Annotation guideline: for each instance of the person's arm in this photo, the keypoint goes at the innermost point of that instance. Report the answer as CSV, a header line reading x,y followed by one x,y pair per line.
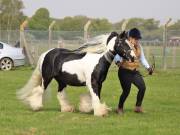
x,y
144,62
143,59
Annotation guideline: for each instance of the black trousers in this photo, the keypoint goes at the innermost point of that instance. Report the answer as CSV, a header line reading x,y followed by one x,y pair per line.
x,y
128,77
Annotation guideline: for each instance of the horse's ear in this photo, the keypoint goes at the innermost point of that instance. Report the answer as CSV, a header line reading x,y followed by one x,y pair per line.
x,y
113,34
123,34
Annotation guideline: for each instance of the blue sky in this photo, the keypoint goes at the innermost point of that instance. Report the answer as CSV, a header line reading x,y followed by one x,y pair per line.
x,y
113,10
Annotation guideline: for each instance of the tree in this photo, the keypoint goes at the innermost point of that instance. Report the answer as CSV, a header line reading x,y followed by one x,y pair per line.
x,y
143,24
174,30
175,26
40,20
100,25
118,25
75,23
150,28
11,14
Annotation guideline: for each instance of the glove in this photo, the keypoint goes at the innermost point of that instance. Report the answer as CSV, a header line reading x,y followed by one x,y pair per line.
x,y
150,70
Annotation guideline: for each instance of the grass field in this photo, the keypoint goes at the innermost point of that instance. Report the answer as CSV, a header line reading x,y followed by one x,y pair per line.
x,y
161,105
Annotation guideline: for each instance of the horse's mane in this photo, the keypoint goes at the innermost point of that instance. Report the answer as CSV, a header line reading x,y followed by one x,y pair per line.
x,y
94,45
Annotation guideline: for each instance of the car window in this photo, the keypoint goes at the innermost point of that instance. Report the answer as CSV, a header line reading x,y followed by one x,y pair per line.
x,y
1,46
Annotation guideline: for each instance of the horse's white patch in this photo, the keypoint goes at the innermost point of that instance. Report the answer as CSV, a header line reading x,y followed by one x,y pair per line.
x,y
111,44
133,54
82,67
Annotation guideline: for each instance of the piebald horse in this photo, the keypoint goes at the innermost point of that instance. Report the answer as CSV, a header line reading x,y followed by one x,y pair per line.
x,y
75,68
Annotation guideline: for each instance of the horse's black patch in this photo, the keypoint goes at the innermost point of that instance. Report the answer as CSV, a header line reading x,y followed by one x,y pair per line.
x,y
71,79
53,61
99,75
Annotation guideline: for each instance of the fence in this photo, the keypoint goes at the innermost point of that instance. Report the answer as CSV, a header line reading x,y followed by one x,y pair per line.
x,y
38,42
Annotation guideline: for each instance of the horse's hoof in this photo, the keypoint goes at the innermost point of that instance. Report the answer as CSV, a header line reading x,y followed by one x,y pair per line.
x,y
68,109
101,114
102,110
36,108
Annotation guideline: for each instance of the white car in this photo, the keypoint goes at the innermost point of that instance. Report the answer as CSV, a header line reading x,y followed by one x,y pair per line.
x,y
10,56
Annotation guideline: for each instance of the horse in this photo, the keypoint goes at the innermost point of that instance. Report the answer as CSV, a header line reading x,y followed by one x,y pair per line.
x,y
75,68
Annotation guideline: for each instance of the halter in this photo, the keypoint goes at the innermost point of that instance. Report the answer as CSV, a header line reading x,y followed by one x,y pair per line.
x,y
129,46
109,56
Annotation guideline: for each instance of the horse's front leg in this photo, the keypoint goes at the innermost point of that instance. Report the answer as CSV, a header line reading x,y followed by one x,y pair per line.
x,y
95,89
62,98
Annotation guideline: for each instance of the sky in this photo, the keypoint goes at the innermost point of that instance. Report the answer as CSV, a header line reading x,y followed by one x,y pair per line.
x,y
113,10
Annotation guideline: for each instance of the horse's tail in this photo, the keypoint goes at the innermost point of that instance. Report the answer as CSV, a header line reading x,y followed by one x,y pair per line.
x,y
32,92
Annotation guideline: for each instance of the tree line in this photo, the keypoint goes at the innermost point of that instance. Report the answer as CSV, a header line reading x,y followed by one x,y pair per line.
x,y
11,17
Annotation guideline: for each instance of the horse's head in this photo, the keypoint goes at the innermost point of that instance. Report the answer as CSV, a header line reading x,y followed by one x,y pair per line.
x,y
120,46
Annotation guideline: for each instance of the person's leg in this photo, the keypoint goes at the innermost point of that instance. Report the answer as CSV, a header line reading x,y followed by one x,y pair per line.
x,y
140,84
125,80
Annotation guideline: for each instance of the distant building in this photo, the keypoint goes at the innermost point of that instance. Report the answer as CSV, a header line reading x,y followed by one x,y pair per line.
x,y
174,41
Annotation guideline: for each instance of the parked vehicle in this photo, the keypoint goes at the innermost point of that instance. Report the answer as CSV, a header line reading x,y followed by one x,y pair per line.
x,y
10,56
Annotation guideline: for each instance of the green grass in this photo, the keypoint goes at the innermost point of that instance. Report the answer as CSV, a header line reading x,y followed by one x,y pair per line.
x,y
161,105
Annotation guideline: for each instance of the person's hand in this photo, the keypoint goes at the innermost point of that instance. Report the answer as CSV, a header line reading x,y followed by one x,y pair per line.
x,y
150,70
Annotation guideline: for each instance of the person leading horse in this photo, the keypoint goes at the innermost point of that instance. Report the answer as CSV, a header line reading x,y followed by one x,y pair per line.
x,y
128,72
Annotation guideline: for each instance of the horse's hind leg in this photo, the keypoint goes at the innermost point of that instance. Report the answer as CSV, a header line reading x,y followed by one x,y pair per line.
x,y
62,98
36,98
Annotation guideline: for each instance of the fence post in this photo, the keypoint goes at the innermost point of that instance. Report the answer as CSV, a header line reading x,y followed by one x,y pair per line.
x,y
60,44
165,44
50,33
25,46
86,26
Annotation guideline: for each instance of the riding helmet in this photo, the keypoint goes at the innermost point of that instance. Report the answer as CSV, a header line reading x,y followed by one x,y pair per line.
x,y
134,33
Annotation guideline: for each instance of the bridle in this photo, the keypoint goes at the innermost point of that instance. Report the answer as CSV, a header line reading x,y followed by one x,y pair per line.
x,y
120,45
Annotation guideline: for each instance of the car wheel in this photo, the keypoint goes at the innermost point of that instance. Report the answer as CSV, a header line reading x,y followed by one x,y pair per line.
x,y
6,64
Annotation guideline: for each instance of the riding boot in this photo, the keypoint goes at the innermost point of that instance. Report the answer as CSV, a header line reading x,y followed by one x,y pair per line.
x,y
138,109
120,111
